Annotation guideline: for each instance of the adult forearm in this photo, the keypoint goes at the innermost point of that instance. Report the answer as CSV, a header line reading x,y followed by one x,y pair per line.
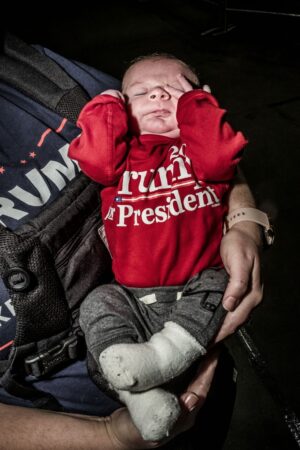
x,y
240,196
34,429
28,429
240,252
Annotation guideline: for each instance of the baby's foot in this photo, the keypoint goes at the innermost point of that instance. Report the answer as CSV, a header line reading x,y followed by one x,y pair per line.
x,y
137,367
154,412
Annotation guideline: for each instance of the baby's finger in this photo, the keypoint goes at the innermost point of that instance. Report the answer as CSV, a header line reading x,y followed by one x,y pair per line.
x,y
185,84
206,88
177,93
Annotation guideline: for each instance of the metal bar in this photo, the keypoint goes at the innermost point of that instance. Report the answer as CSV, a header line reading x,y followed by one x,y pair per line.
x,y
260,366
257,11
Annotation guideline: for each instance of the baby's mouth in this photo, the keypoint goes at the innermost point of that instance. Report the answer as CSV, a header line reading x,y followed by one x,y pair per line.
x,y
160,113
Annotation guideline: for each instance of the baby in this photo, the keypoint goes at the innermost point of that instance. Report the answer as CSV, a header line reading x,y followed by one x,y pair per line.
x,y
165,156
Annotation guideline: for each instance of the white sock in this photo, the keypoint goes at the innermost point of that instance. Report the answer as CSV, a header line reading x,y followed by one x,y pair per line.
x,y
137,367
153,412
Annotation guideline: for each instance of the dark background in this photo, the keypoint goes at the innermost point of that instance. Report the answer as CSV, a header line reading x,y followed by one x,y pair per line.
x,y
253,70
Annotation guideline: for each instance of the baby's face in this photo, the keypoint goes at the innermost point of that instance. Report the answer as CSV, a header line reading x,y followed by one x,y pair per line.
x,y
151,106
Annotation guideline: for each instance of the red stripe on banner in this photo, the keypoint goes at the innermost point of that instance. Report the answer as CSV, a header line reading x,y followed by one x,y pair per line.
x,y
6,345
63,123
41,141
45,134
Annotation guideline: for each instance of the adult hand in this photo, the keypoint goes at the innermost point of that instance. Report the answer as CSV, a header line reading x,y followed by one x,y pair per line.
x,y
195,395
123,433
240,252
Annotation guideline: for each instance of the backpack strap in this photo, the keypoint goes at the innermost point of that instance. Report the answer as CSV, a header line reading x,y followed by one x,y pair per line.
x,y
39,77
13,382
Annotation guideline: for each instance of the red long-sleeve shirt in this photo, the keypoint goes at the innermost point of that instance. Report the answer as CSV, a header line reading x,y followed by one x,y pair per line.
x,y
162,198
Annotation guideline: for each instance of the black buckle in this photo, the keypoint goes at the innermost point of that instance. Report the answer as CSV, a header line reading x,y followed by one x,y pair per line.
x,y
18,279
42,363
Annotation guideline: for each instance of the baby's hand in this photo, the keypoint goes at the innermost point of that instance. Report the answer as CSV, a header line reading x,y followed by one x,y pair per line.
x,y
185,86
114,93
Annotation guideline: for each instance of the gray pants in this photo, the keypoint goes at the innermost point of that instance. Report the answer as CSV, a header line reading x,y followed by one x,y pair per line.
x,y
113,314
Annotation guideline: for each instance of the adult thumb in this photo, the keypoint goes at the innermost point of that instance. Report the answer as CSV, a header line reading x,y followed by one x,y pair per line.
x,y
234,292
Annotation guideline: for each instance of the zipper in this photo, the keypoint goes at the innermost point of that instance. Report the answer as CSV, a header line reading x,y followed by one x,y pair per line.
x,y
68,249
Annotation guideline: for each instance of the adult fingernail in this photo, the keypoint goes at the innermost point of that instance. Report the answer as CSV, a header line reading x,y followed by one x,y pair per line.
x,y
230,303
191,402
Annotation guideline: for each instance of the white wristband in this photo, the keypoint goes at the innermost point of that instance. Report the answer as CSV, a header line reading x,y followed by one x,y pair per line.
x,y
251,215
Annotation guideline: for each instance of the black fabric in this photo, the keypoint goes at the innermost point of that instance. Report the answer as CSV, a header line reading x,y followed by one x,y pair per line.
x,y
36,319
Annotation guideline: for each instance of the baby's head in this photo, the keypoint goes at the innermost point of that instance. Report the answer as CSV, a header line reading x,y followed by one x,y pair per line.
x,y
151,87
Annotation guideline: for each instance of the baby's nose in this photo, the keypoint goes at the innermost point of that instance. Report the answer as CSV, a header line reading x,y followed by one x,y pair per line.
x,y
158,93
